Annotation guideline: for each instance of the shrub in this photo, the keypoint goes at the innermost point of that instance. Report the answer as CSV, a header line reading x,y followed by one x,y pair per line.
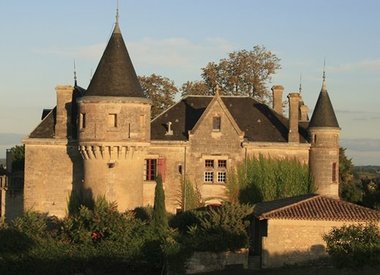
x,y
354,245
159,218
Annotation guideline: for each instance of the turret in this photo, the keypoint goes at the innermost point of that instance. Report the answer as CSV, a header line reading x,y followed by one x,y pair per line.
x,y
114,129
324,134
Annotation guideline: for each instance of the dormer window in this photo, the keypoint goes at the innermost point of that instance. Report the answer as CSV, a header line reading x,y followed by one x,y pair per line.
x,y
112,120
216,123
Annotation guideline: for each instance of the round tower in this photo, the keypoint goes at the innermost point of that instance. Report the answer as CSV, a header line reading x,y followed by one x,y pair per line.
x,y
114,129
324,134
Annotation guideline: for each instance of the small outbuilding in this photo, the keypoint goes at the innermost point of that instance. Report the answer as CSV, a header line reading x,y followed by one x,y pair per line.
x,y
290,230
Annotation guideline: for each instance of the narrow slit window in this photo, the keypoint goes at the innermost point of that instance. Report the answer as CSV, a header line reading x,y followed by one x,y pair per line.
x,y
82,120
216,123
334,172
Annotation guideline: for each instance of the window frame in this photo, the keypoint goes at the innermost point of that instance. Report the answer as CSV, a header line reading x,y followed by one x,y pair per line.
x,y
150,169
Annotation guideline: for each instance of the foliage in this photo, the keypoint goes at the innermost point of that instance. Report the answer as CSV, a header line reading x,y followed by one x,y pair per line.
x,y
354,245
195,88
159,218
189,196
18,157
143,213
161,90
241,73
349,189
221,228
263,179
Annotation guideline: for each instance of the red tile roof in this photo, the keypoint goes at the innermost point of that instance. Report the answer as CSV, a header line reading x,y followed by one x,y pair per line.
x,y
314,207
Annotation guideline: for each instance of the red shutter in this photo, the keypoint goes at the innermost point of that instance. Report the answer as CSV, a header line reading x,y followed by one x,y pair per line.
x,y
162,168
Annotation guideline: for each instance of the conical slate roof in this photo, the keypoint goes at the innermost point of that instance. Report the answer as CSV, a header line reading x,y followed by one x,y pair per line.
x,y
115,74
323,115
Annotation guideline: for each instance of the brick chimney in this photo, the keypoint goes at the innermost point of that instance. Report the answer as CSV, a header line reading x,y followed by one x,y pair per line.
x,y
294,101
304,112
63,112
277,91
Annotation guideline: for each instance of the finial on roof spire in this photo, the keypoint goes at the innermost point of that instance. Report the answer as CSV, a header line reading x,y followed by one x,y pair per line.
x,y
300,88
75,74
117,28
217,90
324,76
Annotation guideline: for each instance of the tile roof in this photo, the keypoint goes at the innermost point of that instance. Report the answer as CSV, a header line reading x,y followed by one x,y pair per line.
x,y
314,207
115,74
257,120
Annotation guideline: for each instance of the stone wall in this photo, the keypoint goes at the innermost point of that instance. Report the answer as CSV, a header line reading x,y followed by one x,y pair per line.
x,y
215,261
51,169
291,241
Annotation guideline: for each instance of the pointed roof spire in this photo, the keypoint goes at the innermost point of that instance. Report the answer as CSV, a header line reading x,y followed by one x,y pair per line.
x,y
300,88
75,75
115,74
324,115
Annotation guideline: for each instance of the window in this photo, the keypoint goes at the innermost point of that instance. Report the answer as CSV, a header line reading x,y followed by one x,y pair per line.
x,y
216,123
334,172
222,177
112,120
82,120
209,163
209,176
222,163
150,170
217,167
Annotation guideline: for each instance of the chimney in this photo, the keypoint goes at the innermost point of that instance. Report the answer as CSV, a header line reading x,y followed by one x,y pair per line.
x,y
304,112
169,131
294,101
63,112
277,91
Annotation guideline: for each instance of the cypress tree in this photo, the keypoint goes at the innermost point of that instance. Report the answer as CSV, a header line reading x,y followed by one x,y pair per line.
x,y
159,218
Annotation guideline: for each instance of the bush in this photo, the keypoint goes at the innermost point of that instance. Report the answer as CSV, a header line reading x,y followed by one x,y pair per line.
x,y
354,246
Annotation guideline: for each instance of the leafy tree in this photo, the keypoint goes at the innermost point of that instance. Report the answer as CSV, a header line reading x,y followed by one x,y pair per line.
x,y
18,157
354,245
241,73
161,90
349,189
195,88
159,218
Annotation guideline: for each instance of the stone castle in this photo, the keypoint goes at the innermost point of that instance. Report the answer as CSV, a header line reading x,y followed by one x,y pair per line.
x,y
102,141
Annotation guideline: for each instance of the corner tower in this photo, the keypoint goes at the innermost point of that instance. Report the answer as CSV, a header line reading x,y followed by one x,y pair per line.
x,y
114,128
324,134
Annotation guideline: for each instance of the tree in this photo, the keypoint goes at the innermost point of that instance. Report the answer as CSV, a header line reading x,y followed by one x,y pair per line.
x,y
161,90
195,88
18,157
349,190
354,245
241,73
159,218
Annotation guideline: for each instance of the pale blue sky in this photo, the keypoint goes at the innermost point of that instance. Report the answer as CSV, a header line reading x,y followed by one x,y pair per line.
x,y
40,39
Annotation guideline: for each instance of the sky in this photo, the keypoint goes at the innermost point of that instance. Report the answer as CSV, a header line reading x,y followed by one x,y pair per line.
x,y
40,39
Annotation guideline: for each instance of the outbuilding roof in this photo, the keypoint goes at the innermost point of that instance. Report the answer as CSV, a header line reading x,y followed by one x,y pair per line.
x,y
314,207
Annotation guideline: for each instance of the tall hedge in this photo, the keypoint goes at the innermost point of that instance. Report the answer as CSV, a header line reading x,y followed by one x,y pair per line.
x,y
263,179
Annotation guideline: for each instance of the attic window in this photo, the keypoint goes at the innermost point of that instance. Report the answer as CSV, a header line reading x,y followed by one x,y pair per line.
x,y
216,123
112,120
